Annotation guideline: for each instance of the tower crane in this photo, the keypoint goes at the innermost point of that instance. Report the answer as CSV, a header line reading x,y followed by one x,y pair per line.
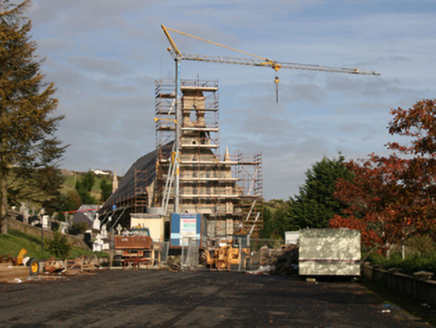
x,y
255,61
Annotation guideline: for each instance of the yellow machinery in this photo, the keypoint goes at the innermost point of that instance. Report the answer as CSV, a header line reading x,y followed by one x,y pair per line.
x,y
230,255
19,259
33,264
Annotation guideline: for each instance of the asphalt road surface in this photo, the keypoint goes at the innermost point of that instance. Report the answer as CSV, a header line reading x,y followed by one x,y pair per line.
x,y
157,298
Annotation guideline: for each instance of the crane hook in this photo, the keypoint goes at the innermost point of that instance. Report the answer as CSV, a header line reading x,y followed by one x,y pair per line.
x,y
276,81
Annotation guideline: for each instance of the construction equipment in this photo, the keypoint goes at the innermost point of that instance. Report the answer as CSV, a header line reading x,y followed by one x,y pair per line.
x,y
228,255
259,61
256,61
19,266
135,248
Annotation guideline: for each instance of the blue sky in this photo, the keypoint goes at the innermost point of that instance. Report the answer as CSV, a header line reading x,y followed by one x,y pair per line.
x,y
104,56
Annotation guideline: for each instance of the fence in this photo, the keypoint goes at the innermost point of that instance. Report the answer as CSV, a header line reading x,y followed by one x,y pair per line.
x,y
162,249
417,286
190,254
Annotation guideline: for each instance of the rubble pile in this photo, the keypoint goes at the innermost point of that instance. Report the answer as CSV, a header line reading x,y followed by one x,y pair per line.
x,y
282,260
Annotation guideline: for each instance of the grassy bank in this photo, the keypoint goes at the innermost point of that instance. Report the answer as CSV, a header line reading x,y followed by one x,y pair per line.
x,y
16,240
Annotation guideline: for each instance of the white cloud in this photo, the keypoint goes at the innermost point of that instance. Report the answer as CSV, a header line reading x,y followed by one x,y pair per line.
x,y
104,56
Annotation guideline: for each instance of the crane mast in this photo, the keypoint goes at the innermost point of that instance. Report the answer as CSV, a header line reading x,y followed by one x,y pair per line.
x,y
258,61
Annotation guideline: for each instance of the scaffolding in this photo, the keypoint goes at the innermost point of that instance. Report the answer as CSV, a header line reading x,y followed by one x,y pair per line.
x,y
140,201
133,198
218,186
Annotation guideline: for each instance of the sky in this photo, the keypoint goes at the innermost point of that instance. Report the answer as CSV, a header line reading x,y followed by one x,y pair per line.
x,y
104,57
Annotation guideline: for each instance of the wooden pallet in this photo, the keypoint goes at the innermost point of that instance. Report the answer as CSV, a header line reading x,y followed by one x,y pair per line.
x,y
9,272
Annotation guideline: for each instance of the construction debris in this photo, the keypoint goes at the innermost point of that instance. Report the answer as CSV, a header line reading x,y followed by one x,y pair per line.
x,y
13,260
12,268
52,266
282,260
13,273
83,264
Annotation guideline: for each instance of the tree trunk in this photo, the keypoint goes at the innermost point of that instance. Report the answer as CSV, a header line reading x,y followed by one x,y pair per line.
x,y
3,204
403,249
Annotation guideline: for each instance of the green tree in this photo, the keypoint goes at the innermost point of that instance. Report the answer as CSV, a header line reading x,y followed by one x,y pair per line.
x,y
48,182
315,205
69,202
27,105
84,187
106,189
276,219
267,223
58,245
87,181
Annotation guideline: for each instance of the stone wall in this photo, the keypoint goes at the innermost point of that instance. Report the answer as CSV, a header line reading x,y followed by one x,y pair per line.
x,y
423,291
36,231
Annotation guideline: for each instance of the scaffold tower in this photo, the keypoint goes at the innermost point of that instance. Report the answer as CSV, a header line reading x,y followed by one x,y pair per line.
x,y
220,187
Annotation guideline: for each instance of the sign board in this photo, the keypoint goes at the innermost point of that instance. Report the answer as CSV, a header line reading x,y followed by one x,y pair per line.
x,y
183,226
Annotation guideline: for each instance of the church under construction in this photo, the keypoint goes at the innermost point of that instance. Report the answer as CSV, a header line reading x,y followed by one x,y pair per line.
x,y
226,189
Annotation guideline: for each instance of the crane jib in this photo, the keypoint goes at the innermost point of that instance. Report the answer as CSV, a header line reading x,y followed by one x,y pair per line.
x,y
268,63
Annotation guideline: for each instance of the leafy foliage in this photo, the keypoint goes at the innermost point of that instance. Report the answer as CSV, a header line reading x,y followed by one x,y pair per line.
x,y
421,246
27,123
276,220
59,245
315,204
79,228
84,187
410,265
392,198
69,202
106,189
87,181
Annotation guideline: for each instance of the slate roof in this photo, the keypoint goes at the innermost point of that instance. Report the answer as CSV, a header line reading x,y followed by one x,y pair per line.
x,y
126,186
79,217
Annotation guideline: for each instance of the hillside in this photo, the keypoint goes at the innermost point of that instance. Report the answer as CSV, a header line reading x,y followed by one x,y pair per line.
x,y
16,240
70,182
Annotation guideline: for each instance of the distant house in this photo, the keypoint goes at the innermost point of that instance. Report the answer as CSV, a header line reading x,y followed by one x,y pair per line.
x,y
102,172
80,217
86,214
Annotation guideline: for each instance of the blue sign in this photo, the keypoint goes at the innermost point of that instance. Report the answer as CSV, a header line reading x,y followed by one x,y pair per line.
x,y
184,226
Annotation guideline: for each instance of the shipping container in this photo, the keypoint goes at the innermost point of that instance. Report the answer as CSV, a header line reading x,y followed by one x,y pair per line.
x,y
329,252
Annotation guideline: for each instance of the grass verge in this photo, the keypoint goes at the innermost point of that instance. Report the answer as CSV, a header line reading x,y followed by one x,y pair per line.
x,y
15,240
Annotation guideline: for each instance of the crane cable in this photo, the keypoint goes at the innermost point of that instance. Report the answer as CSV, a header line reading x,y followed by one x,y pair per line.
x,y
277,81
217,44
276,67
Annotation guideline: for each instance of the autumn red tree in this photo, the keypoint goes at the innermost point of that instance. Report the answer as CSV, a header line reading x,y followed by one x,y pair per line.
x,y
393,197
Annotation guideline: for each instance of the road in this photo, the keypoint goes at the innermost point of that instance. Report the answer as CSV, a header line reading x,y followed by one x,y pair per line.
x,y
157,298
